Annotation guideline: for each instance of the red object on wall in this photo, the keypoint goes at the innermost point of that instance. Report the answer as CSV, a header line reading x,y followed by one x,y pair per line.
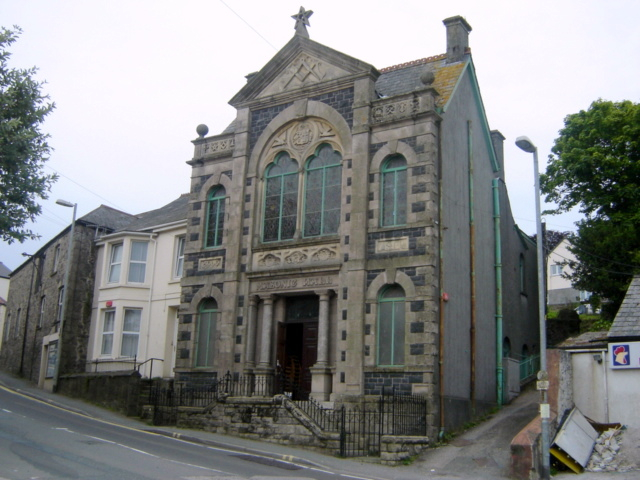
x,y
445,297
109,303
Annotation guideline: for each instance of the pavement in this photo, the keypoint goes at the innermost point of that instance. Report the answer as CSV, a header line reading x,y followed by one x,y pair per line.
x,y
481,453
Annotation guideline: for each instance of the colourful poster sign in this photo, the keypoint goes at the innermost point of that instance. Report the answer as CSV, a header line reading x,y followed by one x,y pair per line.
x,y
624,355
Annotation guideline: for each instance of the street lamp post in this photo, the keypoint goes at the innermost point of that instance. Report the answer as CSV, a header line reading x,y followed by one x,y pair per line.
x,y
527,145
65,292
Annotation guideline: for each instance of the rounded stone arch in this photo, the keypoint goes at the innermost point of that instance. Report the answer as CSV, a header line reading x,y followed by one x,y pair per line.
x,y
216,179
208,291
300,112
390,278
393,148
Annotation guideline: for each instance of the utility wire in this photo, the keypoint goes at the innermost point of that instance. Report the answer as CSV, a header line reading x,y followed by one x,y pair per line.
x,y
248,24
83,187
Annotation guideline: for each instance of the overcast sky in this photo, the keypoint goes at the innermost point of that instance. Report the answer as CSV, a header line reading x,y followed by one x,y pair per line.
x,y
132,79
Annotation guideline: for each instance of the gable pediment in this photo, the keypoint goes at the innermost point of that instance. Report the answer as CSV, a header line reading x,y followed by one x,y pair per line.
x,y
301,64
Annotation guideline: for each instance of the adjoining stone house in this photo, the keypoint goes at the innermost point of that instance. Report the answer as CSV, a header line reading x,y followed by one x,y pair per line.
x,y
32,341
137,293
351,229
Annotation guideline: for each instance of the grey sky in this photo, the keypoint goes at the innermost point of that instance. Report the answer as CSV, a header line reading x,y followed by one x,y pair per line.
x,y
133,78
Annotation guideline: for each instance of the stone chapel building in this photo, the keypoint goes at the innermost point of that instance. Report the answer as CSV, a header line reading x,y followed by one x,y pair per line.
x,y
351,228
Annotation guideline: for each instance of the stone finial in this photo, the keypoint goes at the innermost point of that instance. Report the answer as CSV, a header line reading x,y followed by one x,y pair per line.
x,y
427,77
302,21
202,130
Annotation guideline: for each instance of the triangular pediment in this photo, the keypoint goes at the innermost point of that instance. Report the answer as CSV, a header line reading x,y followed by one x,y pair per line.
x,y
301,64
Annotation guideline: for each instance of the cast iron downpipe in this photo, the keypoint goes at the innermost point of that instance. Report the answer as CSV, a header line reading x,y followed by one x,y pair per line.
x,y
498,273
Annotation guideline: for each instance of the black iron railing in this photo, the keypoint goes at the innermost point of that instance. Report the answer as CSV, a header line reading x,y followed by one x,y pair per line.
x,y
123,365
360,426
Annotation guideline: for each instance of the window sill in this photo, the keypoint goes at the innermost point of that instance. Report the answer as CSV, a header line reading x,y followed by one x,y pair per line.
x,y
111,286
295,242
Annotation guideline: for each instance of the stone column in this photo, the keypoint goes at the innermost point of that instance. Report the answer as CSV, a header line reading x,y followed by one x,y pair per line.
x,y
321,376
252,317
267,332
323,328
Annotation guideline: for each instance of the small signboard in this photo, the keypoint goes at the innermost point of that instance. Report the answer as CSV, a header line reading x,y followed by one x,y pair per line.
x,y
624,355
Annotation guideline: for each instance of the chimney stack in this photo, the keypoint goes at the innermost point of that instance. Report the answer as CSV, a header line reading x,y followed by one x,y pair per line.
x,y
457,37
497,139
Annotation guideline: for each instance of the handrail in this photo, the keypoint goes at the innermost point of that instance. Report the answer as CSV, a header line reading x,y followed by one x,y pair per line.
x,y
150,369
124,361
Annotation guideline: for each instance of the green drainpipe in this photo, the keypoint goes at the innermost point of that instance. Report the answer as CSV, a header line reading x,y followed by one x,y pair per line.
x,y
498,272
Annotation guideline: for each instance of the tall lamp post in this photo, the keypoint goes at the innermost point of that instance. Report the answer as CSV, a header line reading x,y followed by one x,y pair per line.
x,y
65,292
543,379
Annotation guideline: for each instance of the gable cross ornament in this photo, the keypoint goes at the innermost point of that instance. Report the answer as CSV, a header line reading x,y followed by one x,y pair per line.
x,y
302,21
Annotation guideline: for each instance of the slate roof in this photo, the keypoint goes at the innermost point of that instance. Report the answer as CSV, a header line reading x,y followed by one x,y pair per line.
x,y
627,321
405,78
105,216
586,340
170,213
4,271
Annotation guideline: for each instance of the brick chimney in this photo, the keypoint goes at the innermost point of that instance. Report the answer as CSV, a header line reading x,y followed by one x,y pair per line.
x,y
457,37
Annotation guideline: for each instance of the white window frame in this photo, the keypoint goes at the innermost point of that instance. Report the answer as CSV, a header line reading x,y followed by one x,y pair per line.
x,y
56,258
60,313
42,309
556,269
138,262
130,333
17,323
108,316
115,263
178,264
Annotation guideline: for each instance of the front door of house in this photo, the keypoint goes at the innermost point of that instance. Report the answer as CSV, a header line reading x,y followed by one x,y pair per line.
x,y
298,344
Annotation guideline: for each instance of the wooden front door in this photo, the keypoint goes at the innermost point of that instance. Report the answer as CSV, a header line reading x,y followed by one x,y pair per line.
x,y
298,343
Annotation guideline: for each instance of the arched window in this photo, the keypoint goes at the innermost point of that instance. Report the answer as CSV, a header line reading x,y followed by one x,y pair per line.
x,y
506,347
281,199
394,191
391,326
215,217
322,192
205,338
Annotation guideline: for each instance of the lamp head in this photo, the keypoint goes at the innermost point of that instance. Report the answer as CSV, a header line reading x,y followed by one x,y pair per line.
x,y
523,143
64,203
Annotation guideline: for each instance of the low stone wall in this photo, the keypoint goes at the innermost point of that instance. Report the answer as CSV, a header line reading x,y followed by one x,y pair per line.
x,y
275,420
526,446
279,420
525,451
118,391
395,449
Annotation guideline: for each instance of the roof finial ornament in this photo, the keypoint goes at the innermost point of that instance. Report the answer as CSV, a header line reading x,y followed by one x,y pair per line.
x,y
302,22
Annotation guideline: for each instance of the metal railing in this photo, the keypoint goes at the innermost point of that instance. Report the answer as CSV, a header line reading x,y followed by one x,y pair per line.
x,y
528,367
360,426
121,365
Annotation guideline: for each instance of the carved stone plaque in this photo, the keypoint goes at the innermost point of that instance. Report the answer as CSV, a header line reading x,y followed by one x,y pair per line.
x,y
296,257
213,263
392,245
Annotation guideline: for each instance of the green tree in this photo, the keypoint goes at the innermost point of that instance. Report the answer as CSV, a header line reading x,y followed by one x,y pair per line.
x,y
23,147
595,166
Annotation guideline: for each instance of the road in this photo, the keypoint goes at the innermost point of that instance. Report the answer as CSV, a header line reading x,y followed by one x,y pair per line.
x,y
42,441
